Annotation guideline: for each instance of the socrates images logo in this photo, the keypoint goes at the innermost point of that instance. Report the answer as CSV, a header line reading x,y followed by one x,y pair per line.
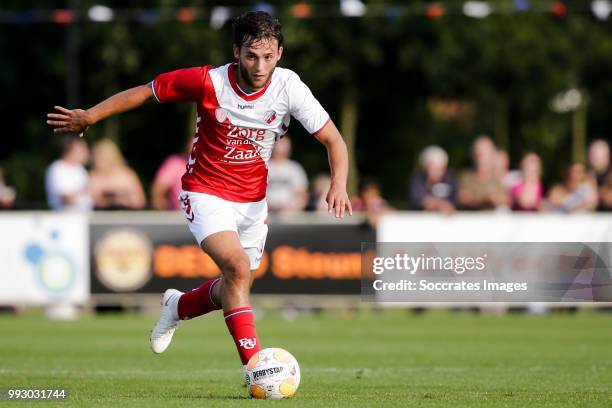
x,y
54,270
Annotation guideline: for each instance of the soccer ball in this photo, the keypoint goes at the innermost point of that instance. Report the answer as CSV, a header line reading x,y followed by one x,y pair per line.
x,y
272,373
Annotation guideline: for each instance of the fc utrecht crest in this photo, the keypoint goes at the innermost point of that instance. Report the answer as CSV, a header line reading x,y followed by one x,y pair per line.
x,y
248,343
269,117
220,115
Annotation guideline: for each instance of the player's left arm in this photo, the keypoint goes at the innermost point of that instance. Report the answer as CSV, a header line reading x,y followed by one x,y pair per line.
x,y
337,197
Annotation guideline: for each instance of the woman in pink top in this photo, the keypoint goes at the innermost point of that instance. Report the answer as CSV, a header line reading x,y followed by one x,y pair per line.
x,y
167,183
528,193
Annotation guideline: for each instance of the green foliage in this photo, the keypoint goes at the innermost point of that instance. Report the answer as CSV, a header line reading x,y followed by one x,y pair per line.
x,y
509,66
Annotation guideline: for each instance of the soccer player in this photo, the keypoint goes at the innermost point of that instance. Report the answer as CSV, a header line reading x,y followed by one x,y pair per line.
x,y
243,108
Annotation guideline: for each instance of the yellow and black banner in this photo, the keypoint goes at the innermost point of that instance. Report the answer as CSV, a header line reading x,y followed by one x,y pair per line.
x,y
128,255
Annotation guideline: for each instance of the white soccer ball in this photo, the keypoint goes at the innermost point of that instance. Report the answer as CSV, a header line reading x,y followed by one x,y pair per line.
x,y
272,373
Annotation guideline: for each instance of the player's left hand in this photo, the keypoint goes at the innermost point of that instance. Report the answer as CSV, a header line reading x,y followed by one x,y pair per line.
x,y
338,201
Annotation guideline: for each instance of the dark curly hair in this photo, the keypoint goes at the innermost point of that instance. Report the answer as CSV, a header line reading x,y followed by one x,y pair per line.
x,y
253,26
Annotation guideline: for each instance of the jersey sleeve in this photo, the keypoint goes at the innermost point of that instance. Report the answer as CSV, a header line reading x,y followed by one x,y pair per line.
x,y
181,85
305,107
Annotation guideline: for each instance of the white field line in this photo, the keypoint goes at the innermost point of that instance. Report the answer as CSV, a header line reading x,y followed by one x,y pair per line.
x,y
232,371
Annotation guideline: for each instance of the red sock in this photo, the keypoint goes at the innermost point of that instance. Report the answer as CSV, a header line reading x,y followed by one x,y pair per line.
x,y
241,326
198,301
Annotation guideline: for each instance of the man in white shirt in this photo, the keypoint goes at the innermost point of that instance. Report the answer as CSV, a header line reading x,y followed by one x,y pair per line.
x,y
287,180
66,180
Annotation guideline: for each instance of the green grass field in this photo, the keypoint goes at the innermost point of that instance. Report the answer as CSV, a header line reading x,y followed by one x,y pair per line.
x,y
391,359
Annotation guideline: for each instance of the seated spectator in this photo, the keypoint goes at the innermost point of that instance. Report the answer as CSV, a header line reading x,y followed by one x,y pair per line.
x,y
287,181
433,188
599,160
167,183
113,184
528,193
577,193
599,168
508,177
317,201
481,188
66,180
605,194
370,201
7,193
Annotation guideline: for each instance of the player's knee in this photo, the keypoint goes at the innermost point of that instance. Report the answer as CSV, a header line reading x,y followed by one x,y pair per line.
x,y
236,270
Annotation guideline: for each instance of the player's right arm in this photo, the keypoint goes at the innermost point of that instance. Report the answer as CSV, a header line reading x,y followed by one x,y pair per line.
x,y
78,120
185,84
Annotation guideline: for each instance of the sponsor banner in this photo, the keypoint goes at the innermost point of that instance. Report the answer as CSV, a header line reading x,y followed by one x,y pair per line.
x,y
43,258
487,272
150,253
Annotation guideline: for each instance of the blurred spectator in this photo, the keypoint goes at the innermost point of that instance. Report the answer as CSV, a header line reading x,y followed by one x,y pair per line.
x,y
482,189
508,177
433,188
7,193
114,185
605,194
287,181
317,199
527,194
599,160
370,201
167,183
599,168
577,193
66,180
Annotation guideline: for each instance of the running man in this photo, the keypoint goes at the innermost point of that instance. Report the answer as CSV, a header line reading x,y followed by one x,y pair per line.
x,y
243,108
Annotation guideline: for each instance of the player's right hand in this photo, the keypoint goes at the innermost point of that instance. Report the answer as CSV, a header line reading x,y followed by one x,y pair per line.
x,y
69,120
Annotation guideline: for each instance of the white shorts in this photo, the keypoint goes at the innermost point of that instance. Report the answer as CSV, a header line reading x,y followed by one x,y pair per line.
x,y
207,214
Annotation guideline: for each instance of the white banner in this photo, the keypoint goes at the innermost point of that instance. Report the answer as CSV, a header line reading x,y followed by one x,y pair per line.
x,y
495,227
534,270
44,258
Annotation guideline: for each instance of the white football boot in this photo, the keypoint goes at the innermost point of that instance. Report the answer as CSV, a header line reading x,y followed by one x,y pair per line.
x,y
162,333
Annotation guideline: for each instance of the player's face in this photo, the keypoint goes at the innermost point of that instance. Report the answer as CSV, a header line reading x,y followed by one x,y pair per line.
x,y
256,62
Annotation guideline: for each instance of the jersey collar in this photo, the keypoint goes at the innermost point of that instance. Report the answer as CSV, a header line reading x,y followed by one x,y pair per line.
x,y
231,73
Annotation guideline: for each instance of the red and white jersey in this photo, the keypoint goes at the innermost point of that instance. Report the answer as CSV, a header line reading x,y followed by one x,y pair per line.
x,y
236,131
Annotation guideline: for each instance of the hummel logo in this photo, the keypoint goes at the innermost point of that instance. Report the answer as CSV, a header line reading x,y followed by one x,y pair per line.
x,y
246,106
